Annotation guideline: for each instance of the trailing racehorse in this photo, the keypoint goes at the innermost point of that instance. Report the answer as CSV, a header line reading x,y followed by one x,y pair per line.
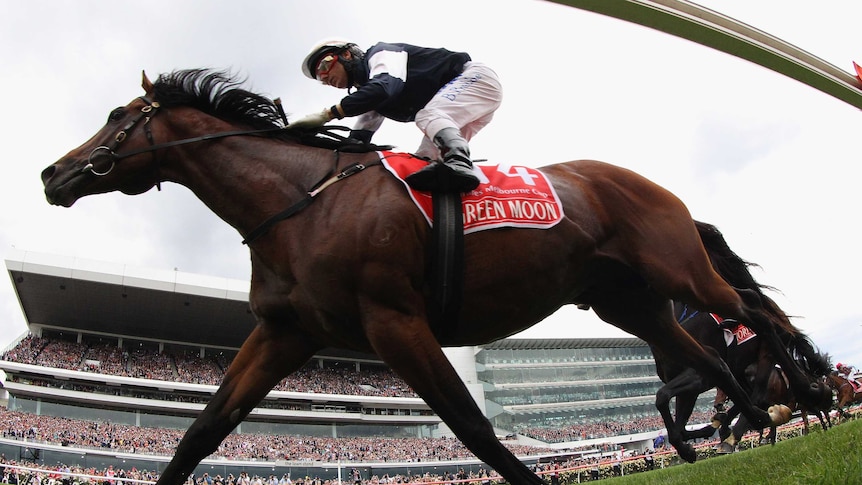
x,y
339,256
844,393
777,390
748,357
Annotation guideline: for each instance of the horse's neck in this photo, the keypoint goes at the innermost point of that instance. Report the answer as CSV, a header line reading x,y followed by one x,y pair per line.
x,y
246,182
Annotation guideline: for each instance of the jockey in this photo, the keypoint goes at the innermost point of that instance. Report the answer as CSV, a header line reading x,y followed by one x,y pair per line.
x,y
447,95
851,374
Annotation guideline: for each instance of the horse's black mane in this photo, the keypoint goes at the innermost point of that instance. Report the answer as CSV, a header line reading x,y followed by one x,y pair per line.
x,y
219,94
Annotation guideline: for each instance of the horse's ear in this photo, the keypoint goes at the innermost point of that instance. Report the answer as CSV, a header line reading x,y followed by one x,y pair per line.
x,y
145,82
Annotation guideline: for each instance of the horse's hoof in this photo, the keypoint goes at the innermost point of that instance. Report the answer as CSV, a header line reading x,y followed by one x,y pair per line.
x,y
687,453
779,414
724,449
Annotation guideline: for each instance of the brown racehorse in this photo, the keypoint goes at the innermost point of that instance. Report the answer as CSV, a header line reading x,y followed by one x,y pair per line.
x,y
350,269
844,393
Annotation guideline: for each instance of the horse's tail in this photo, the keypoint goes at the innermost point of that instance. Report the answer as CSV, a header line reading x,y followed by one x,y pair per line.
x,y
735,271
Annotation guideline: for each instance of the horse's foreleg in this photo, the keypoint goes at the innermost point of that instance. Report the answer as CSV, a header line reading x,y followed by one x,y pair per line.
x,y
728,445
686,383
407,345
806,390
825,419
724,431
268,355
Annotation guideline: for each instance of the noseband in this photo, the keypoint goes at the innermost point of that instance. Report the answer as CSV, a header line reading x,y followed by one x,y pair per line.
x,y
147,112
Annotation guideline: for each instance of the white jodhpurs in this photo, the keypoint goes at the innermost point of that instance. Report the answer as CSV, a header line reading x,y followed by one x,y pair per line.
x,y
466,103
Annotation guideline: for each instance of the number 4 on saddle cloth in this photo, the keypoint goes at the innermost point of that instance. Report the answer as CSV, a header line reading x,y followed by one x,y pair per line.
x,y
507,196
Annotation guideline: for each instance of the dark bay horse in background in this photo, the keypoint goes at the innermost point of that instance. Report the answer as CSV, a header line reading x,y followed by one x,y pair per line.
x,y
350,270
845,395
778,391
749,360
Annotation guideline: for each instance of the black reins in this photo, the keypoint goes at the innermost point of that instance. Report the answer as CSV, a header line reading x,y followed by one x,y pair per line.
x,y
149,111
146,114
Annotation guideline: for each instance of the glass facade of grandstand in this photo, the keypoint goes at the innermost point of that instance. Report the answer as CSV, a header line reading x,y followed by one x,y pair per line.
x,y
558,383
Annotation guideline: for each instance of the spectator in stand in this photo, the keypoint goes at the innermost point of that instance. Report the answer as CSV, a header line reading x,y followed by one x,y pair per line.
x,y
649,460
186,365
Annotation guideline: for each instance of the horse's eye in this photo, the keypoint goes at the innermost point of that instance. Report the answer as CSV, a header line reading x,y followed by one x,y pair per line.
x,y
116,115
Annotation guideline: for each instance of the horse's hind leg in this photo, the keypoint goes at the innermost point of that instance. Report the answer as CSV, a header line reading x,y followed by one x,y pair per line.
x,y
407,345
269,354
688,262
650,317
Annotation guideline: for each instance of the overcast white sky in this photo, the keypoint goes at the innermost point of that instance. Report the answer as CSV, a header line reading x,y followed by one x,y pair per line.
x,y
770,161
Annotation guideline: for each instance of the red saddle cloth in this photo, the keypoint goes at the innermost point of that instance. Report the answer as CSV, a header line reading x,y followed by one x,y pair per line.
x,y
739,332
507,195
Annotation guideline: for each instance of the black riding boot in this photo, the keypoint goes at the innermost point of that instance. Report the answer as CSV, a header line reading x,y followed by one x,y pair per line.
x,y
454,173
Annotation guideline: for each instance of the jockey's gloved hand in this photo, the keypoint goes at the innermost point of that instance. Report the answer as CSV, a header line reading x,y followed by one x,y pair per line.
x,y
313,120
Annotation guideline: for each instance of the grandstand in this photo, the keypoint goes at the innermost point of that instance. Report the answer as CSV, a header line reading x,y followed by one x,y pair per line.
x,y
118,360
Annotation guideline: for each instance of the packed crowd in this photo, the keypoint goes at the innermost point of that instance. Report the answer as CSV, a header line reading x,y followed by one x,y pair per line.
x,y
23,472
163,441
602,429
186,365
28,473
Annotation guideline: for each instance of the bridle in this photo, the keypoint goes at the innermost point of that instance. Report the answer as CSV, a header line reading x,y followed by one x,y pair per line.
x,y
146,114
148,111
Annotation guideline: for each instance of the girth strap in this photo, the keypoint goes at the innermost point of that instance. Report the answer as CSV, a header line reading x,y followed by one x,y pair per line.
x,y
447,264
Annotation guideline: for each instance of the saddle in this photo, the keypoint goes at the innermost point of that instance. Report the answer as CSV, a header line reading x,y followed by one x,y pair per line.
x,y
507,196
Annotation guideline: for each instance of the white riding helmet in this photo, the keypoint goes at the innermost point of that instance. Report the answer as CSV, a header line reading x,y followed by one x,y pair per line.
x,y
309,64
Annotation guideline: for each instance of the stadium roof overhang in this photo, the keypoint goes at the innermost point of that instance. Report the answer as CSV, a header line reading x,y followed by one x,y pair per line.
x,y
76,295
69,294
563,343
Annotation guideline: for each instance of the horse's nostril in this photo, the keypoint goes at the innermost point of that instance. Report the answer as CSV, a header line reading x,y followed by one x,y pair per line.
x,y
48,173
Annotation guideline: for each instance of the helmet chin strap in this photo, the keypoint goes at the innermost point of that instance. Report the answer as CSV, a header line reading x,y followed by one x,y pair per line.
x,y
353,65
